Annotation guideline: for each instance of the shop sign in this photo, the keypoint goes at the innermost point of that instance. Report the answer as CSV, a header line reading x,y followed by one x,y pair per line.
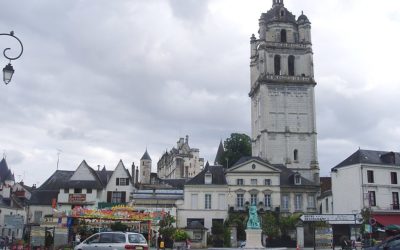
x,y
77,198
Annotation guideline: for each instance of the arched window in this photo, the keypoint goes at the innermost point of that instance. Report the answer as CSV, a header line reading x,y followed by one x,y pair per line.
x,y
283,36
295,155
291,65
277,64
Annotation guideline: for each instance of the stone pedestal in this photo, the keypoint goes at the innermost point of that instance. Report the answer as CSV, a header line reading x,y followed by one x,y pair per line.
x,y
253,238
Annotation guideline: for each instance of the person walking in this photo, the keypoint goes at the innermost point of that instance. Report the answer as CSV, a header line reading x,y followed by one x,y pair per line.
x,y
160,243
188,243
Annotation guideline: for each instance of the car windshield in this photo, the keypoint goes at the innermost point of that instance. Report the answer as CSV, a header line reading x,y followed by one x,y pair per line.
x,y
136,238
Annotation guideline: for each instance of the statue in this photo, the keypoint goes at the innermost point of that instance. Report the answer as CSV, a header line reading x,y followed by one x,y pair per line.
x,y
253,222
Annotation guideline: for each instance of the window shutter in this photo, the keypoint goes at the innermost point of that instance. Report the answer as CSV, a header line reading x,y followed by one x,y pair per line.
x,y
117,181
109,193
123,197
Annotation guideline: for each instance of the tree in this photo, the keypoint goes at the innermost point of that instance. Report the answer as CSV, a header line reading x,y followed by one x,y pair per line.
x,y
270,225
236,146
167,230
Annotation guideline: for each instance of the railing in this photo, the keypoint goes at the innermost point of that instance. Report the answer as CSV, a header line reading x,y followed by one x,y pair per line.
x,y
286,78
287,45
388,208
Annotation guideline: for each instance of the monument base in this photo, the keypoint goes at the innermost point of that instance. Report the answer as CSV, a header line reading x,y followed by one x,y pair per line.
x,y
253,238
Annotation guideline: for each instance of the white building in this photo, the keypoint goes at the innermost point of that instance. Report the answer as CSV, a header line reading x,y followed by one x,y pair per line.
x,y
269,186
205,202
180,162
368,179
283,126
87,187
325,199
12,211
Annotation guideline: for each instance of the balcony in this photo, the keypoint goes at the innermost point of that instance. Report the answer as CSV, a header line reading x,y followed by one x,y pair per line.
x,y
391,208
286,78
285,45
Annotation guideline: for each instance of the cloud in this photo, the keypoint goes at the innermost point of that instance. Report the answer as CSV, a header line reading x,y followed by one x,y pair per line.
x,y
104,81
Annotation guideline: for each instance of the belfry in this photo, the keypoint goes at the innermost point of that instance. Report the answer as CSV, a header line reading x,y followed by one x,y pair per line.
x,y
282,92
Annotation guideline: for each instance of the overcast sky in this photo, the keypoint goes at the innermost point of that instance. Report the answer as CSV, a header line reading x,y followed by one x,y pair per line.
x,y
102,80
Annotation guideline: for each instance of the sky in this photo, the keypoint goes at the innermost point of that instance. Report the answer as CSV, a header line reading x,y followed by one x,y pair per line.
x,y
104,80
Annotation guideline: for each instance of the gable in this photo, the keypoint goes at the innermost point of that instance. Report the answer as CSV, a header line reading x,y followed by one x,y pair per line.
x,y
253,166
119,172
83,173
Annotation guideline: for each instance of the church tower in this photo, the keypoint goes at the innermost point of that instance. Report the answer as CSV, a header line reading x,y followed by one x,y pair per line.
x,y
145,168
282,92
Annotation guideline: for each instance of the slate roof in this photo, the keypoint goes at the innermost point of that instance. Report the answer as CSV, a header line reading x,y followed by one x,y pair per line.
x,y
248,158
5,172
303,18
220,153
287,177
176,183
60,179
43,197
274,15
146,156
218,176
362,156
286,174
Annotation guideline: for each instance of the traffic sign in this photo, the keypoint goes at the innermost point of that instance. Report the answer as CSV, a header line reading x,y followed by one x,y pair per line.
x,y
328,217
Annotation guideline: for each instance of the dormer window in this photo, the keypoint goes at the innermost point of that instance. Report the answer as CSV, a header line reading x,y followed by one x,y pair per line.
x,y
282,12
208,178
297,179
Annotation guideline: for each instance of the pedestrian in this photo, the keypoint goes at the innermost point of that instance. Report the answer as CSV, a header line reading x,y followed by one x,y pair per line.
x,y
6,241
160,242
188,243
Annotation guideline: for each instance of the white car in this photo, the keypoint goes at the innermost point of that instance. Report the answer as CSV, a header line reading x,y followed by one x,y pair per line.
x,y
114,241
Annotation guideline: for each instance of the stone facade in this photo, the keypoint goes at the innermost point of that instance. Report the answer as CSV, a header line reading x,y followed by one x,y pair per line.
x,y
180,162
282,92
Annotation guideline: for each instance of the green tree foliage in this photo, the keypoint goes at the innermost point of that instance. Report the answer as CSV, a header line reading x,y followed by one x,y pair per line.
x,y
227,235
270,225
166,227
180,235
287,223
239,220
236,146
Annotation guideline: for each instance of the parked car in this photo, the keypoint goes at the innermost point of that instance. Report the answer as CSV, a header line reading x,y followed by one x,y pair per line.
x,y
390,243
114,241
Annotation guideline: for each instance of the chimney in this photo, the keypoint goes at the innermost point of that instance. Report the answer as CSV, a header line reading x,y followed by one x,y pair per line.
x,y
98,167
187,139
137,175
133,172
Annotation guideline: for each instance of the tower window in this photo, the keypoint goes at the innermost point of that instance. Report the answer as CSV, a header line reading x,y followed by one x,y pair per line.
x,y
283,36
291,65
277,64
295,155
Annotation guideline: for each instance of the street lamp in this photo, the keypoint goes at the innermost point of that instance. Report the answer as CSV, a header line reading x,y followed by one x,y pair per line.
x,y
8,70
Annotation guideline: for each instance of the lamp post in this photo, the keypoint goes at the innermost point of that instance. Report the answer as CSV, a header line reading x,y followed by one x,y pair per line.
x,y
8,70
